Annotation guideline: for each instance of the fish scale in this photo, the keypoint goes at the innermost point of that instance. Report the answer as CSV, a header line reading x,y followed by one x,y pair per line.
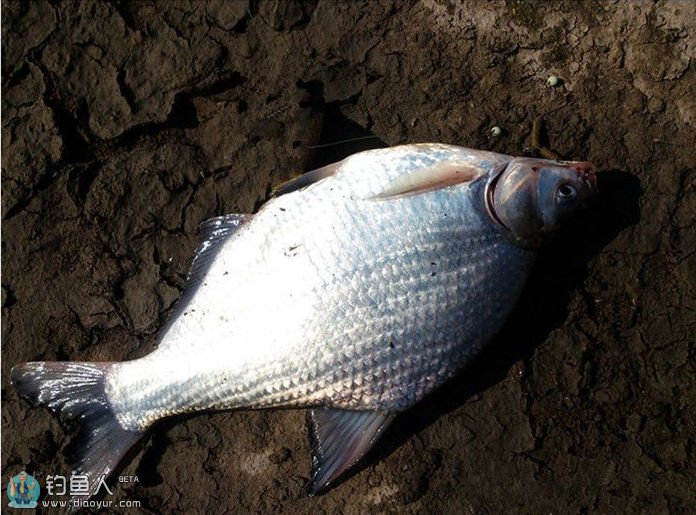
x,y
417,246
356,292
379,391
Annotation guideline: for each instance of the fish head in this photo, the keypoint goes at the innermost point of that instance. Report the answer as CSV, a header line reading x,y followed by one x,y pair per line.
x,y
530,197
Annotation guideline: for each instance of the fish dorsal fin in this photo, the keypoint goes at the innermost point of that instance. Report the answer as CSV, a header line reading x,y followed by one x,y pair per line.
x,y
213,232
307,179
339,438
434,177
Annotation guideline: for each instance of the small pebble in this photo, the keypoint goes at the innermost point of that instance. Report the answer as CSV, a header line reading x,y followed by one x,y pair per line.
x,y
553,81
496,131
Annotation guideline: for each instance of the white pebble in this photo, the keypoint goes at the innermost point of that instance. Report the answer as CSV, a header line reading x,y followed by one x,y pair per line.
x,y
553,81
496,131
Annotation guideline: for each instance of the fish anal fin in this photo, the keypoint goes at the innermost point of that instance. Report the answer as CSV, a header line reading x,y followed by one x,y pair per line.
x,y
221,226
438,176
306,179
213,232
339,439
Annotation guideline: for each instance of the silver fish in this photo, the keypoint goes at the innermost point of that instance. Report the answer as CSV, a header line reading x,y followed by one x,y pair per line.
x,y
355,292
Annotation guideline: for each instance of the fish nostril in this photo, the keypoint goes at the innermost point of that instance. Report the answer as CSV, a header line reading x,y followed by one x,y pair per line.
x,y
587,172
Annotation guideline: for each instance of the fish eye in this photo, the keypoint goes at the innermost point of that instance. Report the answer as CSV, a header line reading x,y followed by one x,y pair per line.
x,y
566,192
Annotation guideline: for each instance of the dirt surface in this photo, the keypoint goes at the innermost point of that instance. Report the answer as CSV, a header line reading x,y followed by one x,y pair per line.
x,y
127,124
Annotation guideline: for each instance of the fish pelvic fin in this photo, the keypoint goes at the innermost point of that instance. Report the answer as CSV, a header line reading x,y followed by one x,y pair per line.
x,y
339,439
76,390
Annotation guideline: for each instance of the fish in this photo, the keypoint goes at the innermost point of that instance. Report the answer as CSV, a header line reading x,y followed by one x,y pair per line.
x,y
353,293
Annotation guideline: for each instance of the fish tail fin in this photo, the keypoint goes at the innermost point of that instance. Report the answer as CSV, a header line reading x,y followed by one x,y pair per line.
x,y
77,391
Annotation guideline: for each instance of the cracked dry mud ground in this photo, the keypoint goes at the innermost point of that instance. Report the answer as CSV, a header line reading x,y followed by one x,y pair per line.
x,y
126,124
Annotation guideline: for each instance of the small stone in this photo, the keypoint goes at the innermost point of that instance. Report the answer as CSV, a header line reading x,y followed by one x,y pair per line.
x,y
496,131
553,81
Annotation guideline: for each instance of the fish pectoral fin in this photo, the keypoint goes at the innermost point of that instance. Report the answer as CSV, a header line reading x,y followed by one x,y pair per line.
x,y
440,175
306,179
339,439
